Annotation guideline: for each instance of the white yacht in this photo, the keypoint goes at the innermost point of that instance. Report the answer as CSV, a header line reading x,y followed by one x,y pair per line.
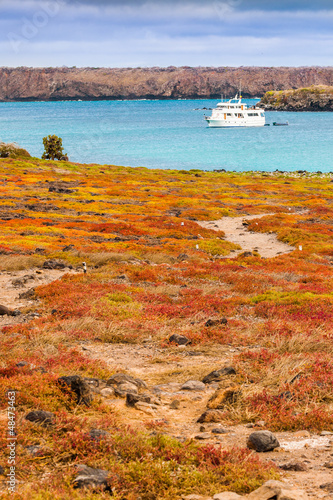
x,y
234,113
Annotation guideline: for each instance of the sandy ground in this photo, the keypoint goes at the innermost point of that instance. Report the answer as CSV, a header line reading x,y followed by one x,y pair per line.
x,y
15,283
267,245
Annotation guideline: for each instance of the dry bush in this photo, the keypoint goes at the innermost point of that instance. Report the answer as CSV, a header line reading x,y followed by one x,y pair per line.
x,y
20,262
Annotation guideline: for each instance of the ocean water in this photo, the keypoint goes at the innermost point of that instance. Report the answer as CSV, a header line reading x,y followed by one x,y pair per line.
x,y
170,135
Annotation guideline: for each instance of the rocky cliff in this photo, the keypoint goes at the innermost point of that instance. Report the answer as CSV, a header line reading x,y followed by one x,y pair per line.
x,y
46,84
314,98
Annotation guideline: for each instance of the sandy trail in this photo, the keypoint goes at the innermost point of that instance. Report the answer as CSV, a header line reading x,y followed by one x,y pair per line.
x,y
15,283
267,245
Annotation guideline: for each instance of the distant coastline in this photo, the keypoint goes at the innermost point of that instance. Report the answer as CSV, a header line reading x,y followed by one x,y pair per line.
x,y
92,84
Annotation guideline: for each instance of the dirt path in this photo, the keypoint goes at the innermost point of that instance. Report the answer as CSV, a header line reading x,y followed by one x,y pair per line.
x,y
15,283
165,370
267,245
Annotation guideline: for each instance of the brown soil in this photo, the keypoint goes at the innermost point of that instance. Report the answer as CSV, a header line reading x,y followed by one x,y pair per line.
x,y
267,245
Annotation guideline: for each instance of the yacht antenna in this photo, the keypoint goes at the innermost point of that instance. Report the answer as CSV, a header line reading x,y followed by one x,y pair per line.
x,y
240,89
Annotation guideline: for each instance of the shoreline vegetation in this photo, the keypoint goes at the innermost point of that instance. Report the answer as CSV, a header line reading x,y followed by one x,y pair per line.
x,y
57,84
109,371
314,98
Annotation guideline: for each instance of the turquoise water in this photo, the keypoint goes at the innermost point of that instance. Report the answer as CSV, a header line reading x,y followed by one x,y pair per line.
x,y
169,134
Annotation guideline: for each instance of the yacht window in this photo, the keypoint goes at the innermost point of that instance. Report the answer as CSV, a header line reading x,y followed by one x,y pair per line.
x,y
228,114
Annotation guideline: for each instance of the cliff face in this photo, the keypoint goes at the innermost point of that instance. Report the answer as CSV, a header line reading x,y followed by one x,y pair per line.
x,y
47,84
314,98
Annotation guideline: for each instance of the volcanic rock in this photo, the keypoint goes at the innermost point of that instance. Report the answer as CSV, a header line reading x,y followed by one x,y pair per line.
x,y
262,441
79,387
92,478
217,375
40,417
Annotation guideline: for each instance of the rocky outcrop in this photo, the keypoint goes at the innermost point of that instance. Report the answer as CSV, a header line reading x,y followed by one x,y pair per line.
x,y
314,98
53,84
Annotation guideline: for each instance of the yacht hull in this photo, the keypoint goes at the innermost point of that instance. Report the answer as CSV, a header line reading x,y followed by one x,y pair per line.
x,y
223,124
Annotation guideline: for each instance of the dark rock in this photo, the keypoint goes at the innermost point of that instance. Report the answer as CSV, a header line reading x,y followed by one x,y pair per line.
x,y
327,486
79,387
68,248
179,339
40,417
97,434
131,399
295,466
21,364
217,375
29,294
246,254
120,378
2,471
216,322
53,264
40,251
92,478
211,416
262,441
220,430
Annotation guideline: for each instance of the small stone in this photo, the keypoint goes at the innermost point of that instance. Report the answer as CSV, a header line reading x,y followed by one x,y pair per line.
x,y
53,264
211,416
327,486
328,465
92,478
107,392
217,375
132,399
295,466
193,385
98,434
220,430
260,423
226,495
175,404
79,387
40,417
202,428
326,433
302,434
203,435
262,441
179,339
216,322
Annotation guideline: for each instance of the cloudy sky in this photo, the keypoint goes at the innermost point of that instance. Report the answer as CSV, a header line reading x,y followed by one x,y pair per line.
x,y
131,33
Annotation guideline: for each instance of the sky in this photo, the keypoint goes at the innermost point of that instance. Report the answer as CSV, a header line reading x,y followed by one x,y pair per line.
x,y
139,33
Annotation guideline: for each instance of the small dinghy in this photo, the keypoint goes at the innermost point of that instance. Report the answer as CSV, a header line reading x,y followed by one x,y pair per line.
x,y
277,124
